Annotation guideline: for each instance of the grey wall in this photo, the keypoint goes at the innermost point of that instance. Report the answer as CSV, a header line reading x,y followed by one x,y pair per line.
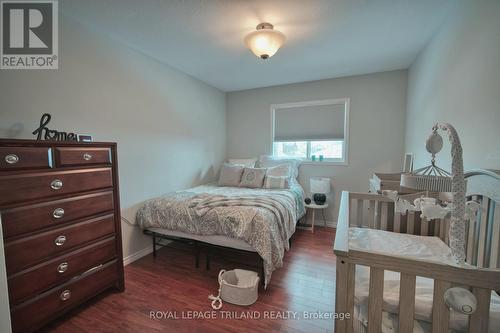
x,y
170,127
456,79
377,119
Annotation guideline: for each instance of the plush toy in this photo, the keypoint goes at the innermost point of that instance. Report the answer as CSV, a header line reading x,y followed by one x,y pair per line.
x,y
431,209
400,205
471,207
461,300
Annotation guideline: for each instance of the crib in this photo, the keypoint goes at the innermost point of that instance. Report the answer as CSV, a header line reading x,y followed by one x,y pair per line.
x,y
375,211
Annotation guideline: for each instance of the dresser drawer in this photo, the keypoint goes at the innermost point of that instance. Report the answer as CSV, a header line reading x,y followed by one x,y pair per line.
x,y
82,156
22,253
27,219
23,187
51,273
30,315
12,158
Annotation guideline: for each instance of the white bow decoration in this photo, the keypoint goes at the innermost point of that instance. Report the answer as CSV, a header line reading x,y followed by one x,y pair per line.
x,y
430,208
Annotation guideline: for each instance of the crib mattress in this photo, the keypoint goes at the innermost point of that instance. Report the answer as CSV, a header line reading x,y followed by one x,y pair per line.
x,y
409,246
426,248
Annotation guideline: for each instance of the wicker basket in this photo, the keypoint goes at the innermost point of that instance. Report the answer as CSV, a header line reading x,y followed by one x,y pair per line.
x,y
240,287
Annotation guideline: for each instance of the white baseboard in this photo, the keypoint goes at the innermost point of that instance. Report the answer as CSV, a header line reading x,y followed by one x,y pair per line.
x,y
331,224
137,255
142,253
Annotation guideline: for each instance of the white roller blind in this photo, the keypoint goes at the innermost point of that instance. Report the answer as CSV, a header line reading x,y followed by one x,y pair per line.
x,y
319,122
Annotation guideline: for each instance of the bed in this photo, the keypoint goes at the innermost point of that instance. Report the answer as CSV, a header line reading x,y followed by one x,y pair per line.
x,y
246,219
393,270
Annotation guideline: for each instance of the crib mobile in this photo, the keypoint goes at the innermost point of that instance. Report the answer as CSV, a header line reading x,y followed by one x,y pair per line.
x,y
433,178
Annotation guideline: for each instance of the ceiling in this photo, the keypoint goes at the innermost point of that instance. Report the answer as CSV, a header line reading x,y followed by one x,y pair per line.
x,y
325,38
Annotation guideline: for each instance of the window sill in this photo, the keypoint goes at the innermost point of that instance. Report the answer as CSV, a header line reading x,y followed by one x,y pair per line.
x,y
329,163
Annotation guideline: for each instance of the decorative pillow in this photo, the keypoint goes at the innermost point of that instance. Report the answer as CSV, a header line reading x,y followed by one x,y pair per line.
x,y
282,170
230,175
276,182
266,161
246,162
253,177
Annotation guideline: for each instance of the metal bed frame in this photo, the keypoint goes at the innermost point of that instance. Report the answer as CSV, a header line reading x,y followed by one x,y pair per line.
x,y
211,250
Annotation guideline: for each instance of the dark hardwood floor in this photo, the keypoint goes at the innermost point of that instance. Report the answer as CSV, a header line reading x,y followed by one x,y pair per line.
x,y
171,284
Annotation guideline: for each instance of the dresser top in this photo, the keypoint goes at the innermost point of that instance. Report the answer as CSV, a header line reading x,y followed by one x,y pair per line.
x,y
47,143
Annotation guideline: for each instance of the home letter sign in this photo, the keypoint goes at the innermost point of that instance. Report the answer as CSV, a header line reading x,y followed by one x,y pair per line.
x,y
43,133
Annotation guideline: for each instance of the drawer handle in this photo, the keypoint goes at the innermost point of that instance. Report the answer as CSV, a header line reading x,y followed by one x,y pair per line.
x,y
60,240
87,157
58,213
12,159
63,267
65,295
56,184
92,269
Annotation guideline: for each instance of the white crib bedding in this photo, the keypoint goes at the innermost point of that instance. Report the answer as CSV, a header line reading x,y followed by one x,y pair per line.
x,y
389,322
404,245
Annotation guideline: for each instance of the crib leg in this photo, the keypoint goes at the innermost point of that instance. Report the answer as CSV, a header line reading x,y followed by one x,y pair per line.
x,y
207,264
341,294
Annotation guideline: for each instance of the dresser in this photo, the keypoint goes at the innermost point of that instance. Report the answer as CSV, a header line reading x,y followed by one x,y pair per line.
x,y
60,216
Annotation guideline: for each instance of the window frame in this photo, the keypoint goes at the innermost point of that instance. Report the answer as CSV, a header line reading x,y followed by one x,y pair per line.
x,y
336,101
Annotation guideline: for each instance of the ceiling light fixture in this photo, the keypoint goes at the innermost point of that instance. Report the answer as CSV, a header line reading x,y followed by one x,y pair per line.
x,y
265,42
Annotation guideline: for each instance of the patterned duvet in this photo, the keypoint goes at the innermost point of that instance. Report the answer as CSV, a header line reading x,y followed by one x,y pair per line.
x,y
264,218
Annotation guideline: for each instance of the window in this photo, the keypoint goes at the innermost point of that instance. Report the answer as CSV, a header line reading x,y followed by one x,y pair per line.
x,y
308,130
306,149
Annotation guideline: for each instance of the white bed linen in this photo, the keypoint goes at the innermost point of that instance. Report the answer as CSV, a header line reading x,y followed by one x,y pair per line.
x,y
220,240
408,246
297,191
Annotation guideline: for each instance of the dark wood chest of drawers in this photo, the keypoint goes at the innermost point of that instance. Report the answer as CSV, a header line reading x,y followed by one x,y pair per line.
x,y
60,217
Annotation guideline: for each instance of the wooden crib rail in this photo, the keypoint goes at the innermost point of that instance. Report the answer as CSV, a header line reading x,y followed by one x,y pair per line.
x,y
376,211
483,233
480,281
341,244
474,277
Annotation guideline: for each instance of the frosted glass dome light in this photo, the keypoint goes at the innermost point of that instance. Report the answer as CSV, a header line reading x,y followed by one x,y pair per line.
x,y
265,42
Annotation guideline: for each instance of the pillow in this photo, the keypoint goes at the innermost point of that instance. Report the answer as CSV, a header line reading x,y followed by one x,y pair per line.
x,y
271,161
246,162
253,177
276,182
230,175
282,170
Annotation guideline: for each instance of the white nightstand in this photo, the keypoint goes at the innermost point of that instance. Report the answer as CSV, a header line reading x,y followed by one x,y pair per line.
x,y
315,207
